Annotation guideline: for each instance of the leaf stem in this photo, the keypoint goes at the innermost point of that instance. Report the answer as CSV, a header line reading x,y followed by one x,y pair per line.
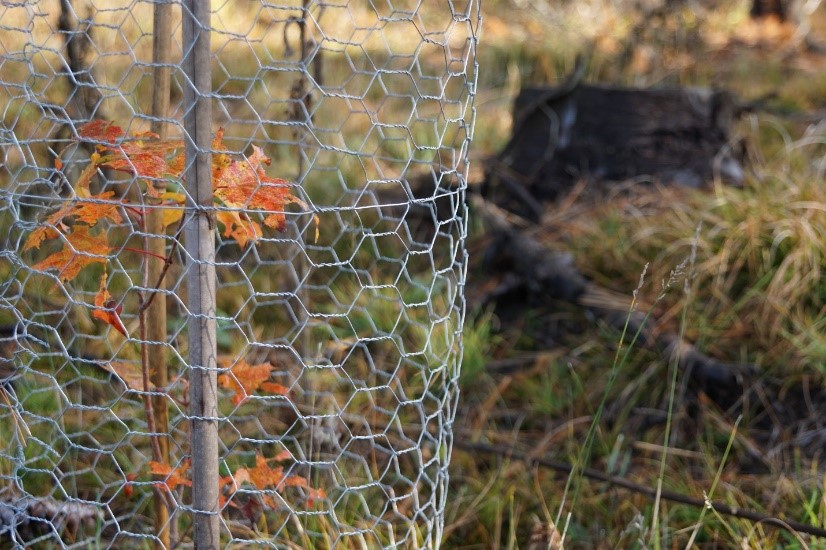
x,y
144,252
167,263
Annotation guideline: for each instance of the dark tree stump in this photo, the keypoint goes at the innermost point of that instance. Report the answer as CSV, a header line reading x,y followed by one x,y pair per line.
x,y
601,133
766,8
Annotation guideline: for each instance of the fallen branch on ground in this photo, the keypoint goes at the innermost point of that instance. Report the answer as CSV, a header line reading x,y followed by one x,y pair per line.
x,y
617,481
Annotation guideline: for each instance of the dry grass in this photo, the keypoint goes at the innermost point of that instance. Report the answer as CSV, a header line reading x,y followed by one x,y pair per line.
x,y
756,295
757,286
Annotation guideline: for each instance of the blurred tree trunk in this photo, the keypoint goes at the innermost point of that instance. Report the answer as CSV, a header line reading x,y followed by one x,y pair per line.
x,y
766,8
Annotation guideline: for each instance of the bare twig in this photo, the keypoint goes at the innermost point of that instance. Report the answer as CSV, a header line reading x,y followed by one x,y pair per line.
x,y
617,481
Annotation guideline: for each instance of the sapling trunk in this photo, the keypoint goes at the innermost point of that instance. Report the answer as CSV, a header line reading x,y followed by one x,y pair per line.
x,y
155,313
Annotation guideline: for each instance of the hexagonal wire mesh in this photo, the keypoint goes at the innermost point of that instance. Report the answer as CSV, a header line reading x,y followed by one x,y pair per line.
x,y
338,338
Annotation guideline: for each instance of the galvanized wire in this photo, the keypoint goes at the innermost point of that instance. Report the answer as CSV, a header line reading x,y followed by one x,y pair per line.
x,y
367,108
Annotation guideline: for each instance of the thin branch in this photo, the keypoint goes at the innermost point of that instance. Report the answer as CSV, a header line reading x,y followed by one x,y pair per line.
x,y
167,263
157,455
150,417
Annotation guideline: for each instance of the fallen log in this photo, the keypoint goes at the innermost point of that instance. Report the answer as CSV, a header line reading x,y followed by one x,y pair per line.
x,y
547,275
604,134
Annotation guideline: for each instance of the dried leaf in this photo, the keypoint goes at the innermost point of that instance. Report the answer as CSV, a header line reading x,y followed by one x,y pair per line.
x,y
173,476
58,163
130,373
261,476
245,379
80,250
107,310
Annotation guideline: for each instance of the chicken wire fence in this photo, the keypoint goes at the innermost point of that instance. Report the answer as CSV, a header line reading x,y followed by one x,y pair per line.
x,y
231,270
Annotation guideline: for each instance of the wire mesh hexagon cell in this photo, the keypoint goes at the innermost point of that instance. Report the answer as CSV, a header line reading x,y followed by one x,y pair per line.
x,y
330,340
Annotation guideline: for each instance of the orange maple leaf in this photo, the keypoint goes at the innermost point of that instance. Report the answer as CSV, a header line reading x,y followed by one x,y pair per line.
x,y
239,227
87,212
128,488
220,160
106,309
172,476
245,379
244,184
91,213
81,249
36,237
82,183
261,476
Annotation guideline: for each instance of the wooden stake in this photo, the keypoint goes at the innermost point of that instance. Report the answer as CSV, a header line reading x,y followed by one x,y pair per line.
x,y
199,241
156,312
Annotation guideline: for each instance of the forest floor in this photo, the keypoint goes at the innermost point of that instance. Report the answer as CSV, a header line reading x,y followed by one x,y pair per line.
x,y
555,400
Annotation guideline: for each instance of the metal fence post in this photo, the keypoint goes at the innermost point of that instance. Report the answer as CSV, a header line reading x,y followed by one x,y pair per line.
x,y
201,281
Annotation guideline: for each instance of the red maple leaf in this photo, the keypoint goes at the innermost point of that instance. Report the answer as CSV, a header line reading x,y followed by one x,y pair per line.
x,y
100,130
145,156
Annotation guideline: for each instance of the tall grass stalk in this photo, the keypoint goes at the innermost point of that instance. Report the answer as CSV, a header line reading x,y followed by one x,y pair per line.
x,y
673,366
709,496
616,366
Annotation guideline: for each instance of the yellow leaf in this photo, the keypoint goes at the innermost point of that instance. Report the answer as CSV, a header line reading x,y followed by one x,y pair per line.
x,y
171,215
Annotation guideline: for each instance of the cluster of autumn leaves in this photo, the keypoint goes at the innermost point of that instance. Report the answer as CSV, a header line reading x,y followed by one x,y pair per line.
x,y
243,380
239,185
78,228
263,476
